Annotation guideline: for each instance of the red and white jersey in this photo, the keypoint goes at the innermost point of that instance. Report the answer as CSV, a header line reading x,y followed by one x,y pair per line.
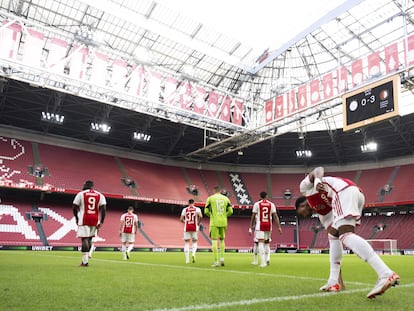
x,y
129,221
191,216
264,210
89,202
322,202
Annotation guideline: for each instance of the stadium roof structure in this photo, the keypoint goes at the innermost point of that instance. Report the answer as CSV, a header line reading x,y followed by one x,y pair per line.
x,y
201,94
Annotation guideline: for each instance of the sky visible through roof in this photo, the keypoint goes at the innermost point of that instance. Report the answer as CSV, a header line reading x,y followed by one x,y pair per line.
x,y
261,24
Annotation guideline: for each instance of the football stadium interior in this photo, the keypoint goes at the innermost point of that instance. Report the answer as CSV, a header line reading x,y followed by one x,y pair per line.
x,y
157,104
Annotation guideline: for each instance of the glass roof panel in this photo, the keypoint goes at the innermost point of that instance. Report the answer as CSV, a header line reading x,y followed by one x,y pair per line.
x,y
177,38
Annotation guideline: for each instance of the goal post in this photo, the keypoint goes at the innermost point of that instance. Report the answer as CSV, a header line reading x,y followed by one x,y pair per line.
x,y
384,246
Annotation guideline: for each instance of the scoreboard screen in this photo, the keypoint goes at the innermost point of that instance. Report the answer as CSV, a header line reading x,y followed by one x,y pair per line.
x,y
372,103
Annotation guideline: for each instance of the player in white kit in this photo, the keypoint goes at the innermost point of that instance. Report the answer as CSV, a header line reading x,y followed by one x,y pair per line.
x,y
191,217
89,208
263,215
127,231
346,201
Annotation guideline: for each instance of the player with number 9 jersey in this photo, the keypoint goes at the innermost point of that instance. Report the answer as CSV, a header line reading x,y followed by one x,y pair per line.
x,y
89,209
89,201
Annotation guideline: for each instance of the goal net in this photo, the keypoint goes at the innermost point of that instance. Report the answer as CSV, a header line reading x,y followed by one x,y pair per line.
x,y
384,246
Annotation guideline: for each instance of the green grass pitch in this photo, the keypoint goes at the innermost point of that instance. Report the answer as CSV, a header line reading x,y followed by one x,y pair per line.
x,y
31,280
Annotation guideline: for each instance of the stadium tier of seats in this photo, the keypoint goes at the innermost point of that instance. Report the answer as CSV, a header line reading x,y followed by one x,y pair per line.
x,y
14,228
256,183
238,233
372,181
210,179
67,169
165,230
396,227
15,157
368,224
400,187
157,181
282,182
196,180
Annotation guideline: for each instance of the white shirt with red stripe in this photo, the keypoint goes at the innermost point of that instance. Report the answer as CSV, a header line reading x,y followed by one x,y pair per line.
x,y
129,221
264,210
191,215
89,202
342,196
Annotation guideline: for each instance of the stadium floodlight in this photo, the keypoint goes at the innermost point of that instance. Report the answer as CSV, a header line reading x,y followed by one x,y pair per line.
x,y
142,137
100,127
369,147
303,153
52,117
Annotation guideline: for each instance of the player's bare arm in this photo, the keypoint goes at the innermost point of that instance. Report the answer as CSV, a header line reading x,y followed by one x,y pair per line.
x,y
103,215
315,177
75,212
277,221
252,222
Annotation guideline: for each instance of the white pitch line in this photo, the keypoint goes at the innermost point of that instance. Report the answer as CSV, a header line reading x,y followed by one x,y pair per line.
x,y
216,306
240,302
218,269
221,270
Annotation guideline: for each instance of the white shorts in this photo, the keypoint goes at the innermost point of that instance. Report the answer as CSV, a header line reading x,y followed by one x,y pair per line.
x,y
263,235
86,231
190,235
127,237
347,207
255,239
326,220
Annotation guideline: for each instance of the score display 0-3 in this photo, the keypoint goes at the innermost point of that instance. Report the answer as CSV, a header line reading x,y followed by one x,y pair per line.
x,y
369,104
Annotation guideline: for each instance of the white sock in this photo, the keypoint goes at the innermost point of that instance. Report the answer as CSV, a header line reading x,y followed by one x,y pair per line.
x,y
194,249
130,247
255,251
91,251
187,251
262,253
267,251
362,248
335,258
85,257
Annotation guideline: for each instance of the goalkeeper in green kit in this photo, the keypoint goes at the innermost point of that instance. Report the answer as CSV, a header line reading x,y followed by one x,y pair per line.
x,y
218,208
